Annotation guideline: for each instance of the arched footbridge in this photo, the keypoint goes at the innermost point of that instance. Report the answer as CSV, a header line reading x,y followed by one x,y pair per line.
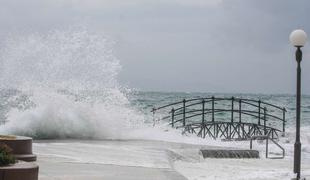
x,y
225,118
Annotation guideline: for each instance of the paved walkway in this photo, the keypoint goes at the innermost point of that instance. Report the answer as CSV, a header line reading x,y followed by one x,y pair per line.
x,y
153,160
108,160
80,171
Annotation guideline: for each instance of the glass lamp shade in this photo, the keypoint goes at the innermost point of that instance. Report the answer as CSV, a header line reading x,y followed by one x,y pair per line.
x,y
298,38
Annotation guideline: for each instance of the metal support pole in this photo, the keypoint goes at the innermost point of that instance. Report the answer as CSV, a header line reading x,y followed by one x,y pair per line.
x,y
284,110
265,116
154,116
172,117
184,101
232,109
267,147
203,119
239,110
251,146
259,102
212,108
297,145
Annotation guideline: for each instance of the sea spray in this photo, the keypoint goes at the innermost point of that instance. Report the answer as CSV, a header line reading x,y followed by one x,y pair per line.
x,y
70,60
68,81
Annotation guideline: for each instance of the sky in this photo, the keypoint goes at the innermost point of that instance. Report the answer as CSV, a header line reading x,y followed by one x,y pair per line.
x,y
224,46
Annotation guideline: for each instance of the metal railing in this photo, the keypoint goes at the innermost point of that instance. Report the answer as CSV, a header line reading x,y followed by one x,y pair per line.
x,y
267,138
231,118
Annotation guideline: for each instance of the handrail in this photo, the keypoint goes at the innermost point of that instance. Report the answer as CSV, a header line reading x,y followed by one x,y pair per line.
x,y
220,99
247,112
268,138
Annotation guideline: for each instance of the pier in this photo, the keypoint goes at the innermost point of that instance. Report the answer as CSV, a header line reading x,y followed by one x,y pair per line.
x,y
226,118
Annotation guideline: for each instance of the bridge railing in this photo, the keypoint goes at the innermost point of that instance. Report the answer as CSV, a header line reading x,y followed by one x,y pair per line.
x,y
225,114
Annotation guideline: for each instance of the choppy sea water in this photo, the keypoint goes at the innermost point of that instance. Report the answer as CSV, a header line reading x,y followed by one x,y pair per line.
x,y
145,101
122,109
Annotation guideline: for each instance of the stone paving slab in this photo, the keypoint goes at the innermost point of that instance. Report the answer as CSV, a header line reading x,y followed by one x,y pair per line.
x,y
80,171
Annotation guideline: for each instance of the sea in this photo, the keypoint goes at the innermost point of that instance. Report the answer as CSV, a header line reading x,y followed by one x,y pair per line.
x,y
64,84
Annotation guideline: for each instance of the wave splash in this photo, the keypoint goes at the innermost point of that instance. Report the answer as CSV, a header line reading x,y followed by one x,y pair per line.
x,y
64,85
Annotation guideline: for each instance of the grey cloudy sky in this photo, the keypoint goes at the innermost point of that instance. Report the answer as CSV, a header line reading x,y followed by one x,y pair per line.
x,y
184,45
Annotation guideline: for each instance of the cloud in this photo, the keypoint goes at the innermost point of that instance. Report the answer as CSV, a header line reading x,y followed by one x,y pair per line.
x,y
184,39
197,2
98,4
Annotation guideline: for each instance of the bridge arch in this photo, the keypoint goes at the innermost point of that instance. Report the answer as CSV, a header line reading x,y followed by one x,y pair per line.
x,y
227,118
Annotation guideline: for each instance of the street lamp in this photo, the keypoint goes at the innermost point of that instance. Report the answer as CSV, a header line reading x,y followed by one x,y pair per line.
x,y
298,38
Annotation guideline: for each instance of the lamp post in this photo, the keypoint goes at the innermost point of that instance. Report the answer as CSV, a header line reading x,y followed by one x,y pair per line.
x,y
298,38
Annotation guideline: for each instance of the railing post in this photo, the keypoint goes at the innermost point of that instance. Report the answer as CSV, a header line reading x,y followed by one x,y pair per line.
x,y
203,111
267,147
284,110
172,117
265,111
232,109
184,101
212,108
203,118
251,143
239,110
259,103
153,116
